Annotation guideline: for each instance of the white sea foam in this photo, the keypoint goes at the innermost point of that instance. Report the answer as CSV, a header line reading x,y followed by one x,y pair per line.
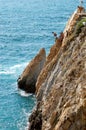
x,y
26,128
6,72
23,93
21,125
28,124
18,68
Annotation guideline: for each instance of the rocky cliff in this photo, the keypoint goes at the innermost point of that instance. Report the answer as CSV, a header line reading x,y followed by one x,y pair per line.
x,y
61,85
28,78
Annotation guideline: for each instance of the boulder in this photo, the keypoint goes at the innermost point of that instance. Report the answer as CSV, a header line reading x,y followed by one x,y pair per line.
x,y
28,78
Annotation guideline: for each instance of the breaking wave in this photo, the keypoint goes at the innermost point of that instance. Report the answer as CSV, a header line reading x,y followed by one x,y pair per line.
x,y
18,68
23,93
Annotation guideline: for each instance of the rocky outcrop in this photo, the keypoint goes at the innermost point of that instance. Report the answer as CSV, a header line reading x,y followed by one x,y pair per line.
x,y
28,78
50,60
36,119
61,85
55,48
60,41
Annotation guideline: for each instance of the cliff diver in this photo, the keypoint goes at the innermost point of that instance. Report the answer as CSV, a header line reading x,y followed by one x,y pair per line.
x,y
55,34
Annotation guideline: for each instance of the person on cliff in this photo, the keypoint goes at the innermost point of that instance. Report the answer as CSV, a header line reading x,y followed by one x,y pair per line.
x,y
80,9
55,35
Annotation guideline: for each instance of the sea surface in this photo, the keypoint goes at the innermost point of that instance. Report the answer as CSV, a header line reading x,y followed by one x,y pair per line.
x,y
25,27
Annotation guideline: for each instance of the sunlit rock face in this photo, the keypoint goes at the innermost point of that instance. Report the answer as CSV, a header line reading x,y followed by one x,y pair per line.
x,y
61,85
28,78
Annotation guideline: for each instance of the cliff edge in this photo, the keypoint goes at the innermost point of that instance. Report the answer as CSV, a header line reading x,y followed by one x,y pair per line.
x,y
61,85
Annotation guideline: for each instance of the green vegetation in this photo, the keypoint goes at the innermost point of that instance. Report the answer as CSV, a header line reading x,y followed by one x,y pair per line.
x,y
79,25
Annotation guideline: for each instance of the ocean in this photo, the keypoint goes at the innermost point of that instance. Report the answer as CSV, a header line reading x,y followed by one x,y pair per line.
x,y
26,26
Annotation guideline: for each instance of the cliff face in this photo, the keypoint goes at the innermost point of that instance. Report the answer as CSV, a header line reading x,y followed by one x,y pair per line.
x,y
61,85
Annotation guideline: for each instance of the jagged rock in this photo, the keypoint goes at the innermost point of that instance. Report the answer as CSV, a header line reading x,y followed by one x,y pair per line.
x,y
28,78
61,86
55,48
36,119
50,61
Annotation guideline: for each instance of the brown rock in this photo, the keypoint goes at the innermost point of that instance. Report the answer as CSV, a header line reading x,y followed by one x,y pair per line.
x,y
80,9
28,78
53,51
36,119
61,85
50,61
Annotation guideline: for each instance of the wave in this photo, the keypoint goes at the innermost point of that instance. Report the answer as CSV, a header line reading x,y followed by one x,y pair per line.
x,y
18,66
21,125
16,69
6,72
27,116
23,93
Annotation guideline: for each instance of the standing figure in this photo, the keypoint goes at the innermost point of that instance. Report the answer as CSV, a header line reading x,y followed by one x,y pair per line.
x,y
55,35
80,9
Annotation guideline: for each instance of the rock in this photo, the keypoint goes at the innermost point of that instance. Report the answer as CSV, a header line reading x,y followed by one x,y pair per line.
x,y
61,85
55,48
28,78
36,119
50,60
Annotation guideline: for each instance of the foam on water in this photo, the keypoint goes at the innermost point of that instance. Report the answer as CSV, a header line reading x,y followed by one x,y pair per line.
x,y
23,93
19,124
5,70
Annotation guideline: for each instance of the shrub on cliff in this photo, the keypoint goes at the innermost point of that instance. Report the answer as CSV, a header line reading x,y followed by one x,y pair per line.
x,y
79,25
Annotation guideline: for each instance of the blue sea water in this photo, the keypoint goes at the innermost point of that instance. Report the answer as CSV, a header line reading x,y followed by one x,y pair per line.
x,y
25,27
